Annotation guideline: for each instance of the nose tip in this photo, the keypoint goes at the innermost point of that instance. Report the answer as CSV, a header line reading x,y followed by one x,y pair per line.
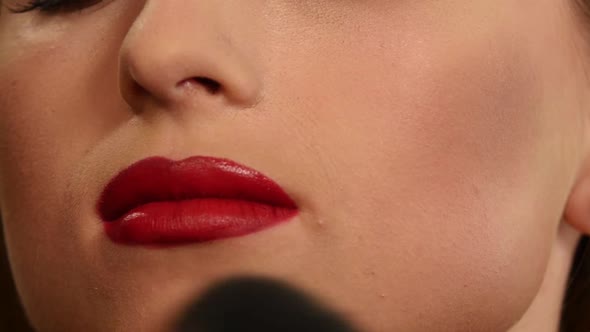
x,y
175,62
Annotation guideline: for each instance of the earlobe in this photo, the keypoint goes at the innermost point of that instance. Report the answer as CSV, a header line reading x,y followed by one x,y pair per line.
x,y
577,209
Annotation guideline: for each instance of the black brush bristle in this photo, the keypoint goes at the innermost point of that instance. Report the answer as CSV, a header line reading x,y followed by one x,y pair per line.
x,y
259,304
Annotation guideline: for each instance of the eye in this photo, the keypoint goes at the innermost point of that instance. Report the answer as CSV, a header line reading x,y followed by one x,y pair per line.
x,y
53,6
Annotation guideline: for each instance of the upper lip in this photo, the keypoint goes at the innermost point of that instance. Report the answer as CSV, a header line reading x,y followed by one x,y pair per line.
x,y
160,179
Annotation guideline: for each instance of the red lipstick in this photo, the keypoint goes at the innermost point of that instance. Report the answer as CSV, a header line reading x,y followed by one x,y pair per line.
x,y
160,201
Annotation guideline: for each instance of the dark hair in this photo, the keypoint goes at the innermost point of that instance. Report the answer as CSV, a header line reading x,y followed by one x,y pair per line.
x,y
575,315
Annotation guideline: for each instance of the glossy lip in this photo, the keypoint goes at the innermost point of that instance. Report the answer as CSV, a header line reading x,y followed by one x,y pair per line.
x,y
198,199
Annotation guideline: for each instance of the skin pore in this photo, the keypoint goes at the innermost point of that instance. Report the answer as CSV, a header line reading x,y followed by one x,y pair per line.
x,y
437,150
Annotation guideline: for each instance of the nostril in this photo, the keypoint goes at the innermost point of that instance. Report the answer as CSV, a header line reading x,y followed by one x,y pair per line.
x,y
211,85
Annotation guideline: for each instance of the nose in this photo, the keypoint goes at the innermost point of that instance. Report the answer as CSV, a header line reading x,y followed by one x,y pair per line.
x,y
179,53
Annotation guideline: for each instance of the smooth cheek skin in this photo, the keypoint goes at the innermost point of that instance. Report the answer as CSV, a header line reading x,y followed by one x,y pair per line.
x,y
419,139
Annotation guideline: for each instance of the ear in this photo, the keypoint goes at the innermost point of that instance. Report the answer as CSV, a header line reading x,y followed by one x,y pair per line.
x,y
577,209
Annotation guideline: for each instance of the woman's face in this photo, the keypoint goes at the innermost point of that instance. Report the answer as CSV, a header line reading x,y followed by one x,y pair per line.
x,y
430,147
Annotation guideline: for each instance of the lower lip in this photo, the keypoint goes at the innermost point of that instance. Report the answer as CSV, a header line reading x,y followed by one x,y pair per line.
x,y
194,221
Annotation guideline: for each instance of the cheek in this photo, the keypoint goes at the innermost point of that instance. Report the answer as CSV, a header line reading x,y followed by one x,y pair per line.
x,y
57,104
49,122
430,155
45,125
36,149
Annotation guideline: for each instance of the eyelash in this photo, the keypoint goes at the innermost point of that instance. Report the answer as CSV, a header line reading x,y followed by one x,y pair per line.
x,y
54,6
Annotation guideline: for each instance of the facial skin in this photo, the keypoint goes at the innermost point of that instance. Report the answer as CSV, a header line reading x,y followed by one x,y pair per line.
x,y
431,146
